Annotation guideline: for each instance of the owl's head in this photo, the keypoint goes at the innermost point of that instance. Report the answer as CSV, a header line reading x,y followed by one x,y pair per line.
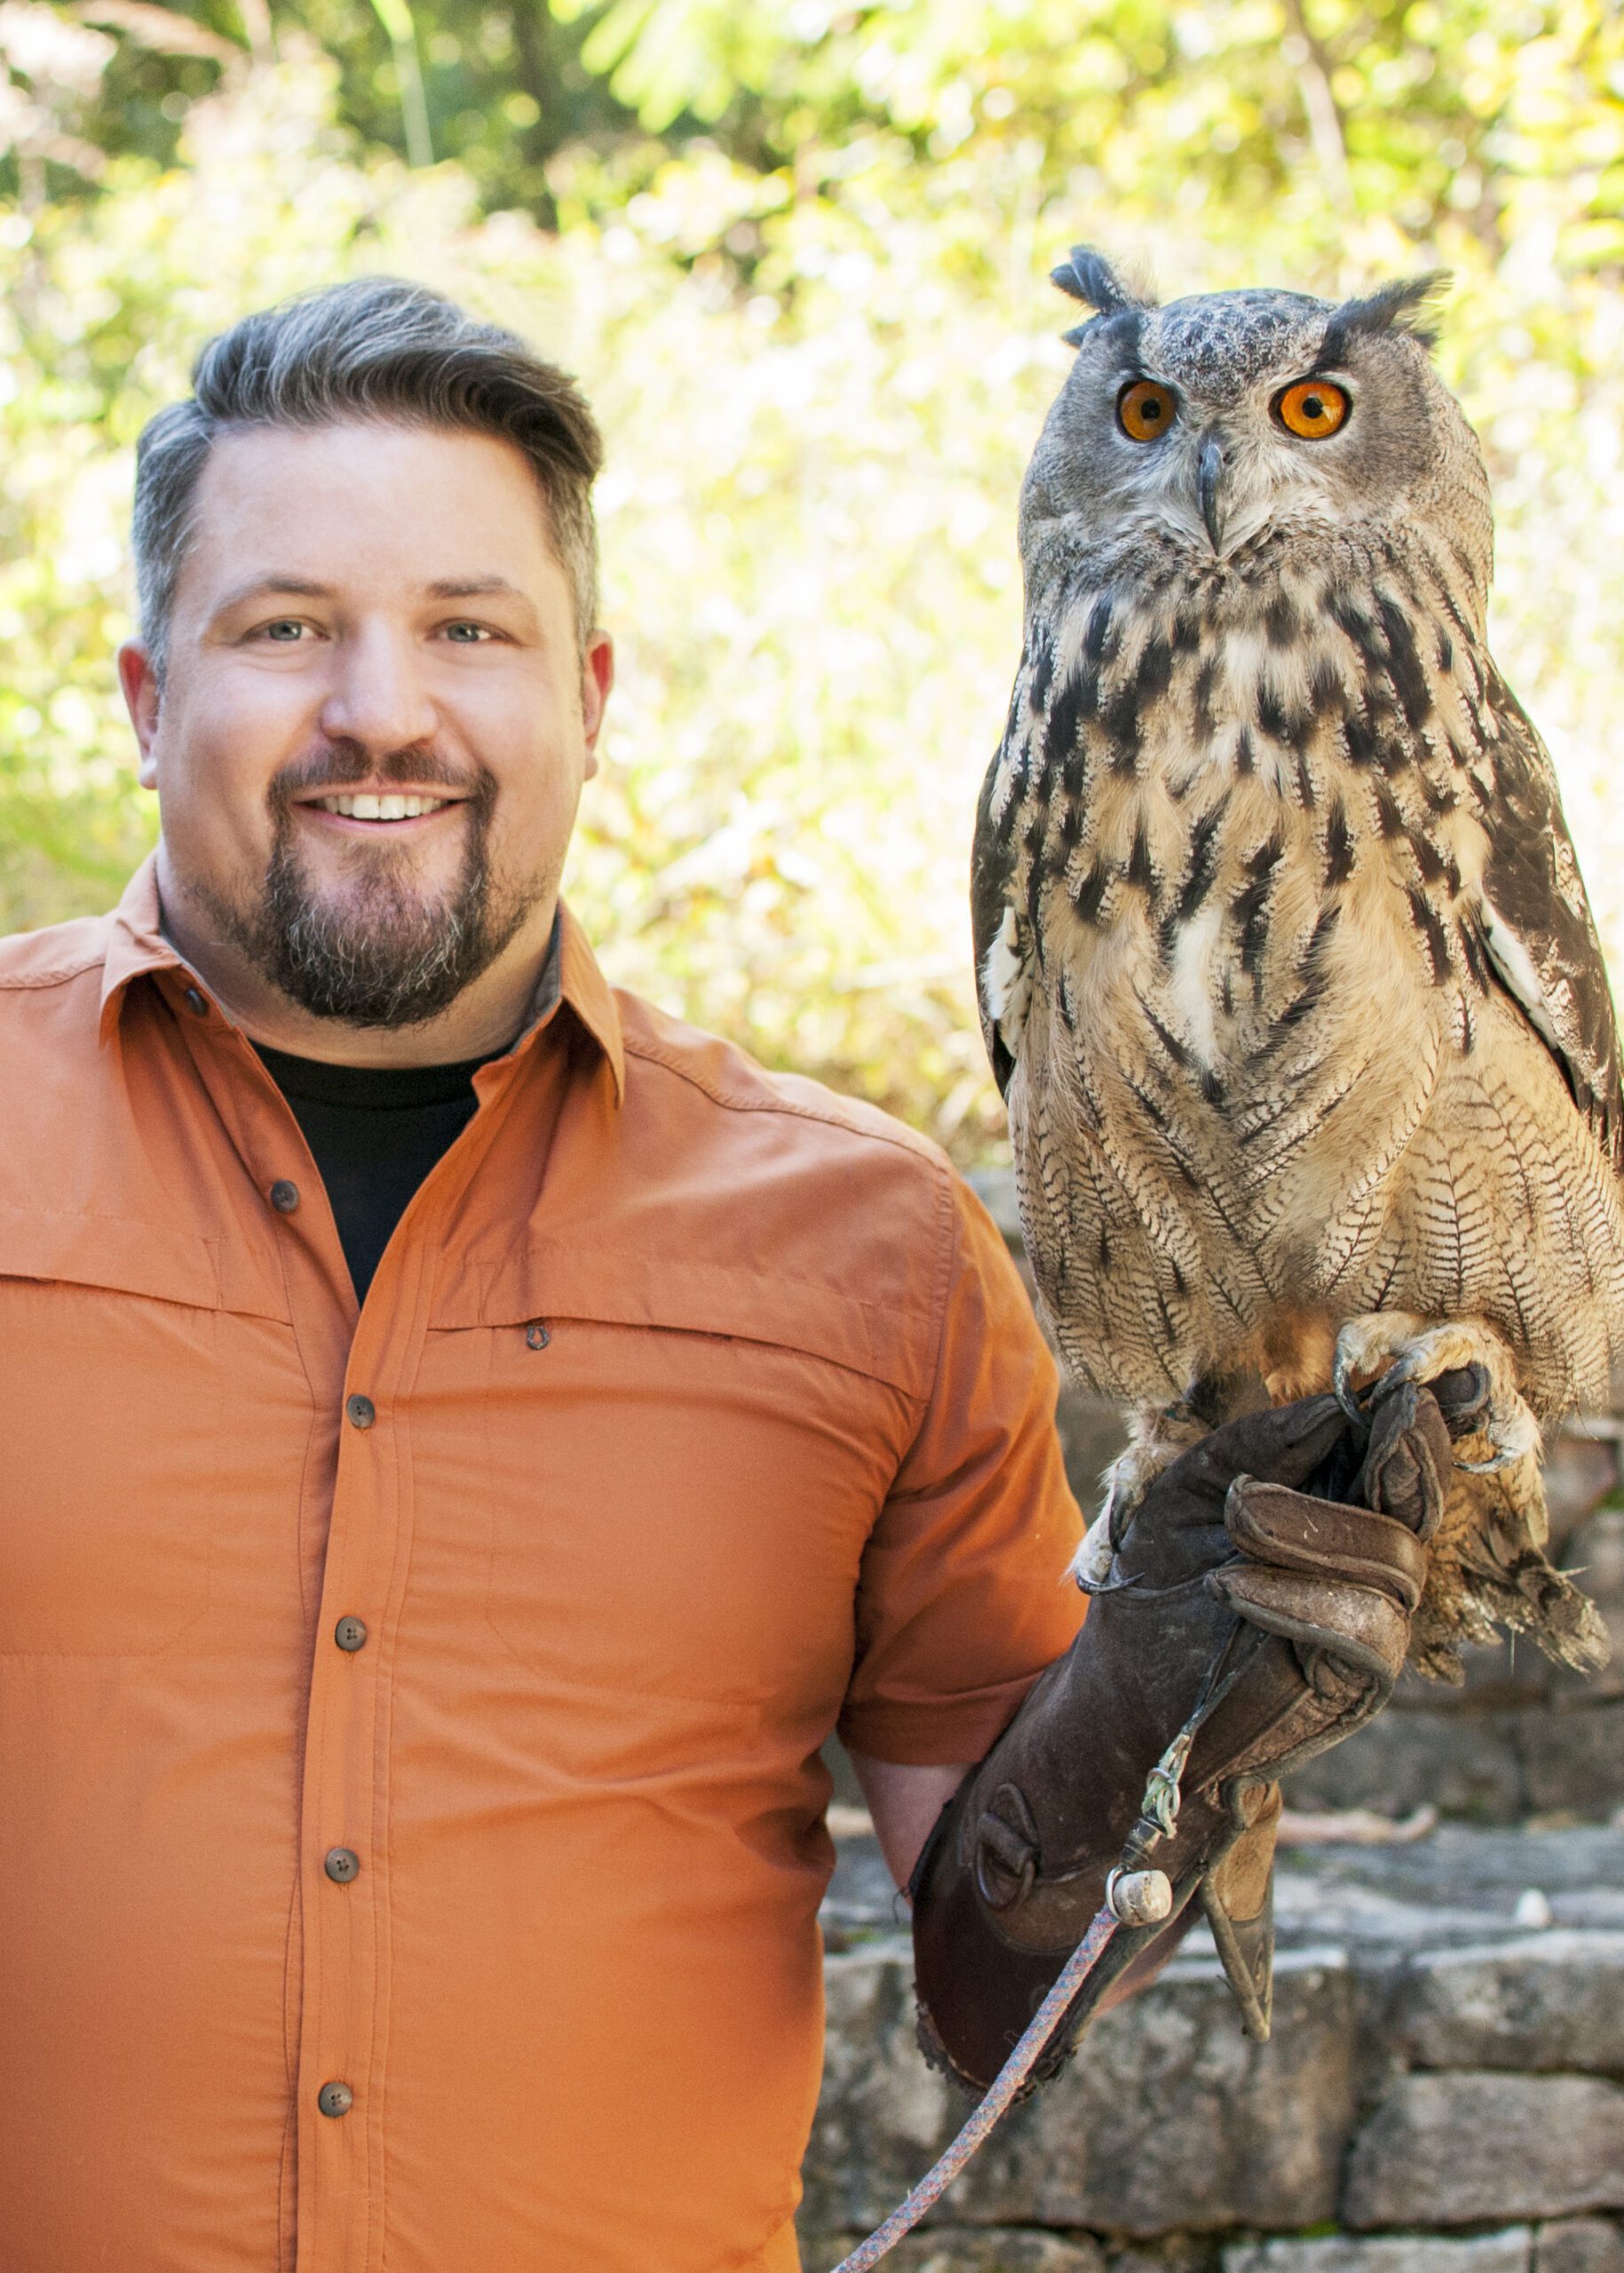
x,y
1232,426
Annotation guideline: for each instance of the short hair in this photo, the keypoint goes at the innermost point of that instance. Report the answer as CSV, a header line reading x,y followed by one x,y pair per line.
x,y
377,348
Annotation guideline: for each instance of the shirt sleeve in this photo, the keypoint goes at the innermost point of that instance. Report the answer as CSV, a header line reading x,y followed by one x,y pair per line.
x,y
963,1598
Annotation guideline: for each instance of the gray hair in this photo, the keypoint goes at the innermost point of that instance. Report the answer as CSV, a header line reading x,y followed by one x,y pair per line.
x,y
375,349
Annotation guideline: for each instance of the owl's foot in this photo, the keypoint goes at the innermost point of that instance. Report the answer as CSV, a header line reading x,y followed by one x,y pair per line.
x,y
1394,1346
1488,1569
1155,1439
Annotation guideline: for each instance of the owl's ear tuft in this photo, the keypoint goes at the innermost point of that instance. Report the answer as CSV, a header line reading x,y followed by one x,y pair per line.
x,y
1401,307
1088,277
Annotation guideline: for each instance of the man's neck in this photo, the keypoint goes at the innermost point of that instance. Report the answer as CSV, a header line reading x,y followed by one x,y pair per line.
x,y
483,1019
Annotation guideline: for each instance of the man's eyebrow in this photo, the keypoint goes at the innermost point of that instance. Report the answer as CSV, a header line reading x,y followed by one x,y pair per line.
x,y
267,586
474,587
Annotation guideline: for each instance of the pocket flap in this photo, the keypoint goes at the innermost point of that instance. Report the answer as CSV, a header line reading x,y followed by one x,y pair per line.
x,y
112,1251
551,1279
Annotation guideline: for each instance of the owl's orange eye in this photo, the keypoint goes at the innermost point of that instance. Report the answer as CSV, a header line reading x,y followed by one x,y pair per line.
x,y
1312,408
1146,411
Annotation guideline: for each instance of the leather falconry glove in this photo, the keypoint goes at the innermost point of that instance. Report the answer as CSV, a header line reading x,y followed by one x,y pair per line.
x,y
1264,1588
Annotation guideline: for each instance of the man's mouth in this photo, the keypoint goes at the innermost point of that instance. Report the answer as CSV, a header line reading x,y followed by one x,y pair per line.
x,y
360,805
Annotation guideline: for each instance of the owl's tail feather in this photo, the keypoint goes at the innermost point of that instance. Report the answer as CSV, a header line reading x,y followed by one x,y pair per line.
x,y
1490,1571
1535,1599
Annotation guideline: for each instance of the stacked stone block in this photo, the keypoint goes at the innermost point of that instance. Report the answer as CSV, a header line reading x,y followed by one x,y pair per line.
x,y
1443,2092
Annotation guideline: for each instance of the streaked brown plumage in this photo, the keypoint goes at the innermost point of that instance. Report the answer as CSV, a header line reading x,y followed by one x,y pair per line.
x,y
1285,965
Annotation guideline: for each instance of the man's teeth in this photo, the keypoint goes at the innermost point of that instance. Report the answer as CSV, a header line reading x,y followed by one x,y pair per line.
x,y
362,806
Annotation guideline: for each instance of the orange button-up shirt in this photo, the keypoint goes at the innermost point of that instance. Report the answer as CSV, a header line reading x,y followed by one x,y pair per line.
x,y
427,1700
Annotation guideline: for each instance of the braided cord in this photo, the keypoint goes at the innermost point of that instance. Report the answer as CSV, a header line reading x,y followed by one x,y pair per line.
x,y
1008,2082
1157,1816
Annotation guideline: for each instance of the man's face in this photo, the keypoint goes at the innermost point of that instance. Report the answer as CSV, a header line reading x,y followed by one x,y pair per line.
x,y
368,613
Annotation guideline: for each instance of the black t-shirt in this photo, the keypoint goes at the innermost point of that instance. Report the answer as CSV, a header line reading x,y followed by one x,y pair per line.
x,y
375,1131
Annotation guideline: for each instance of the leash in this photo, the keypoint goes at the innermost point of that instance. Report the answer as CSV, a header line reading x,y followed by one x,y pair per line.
x,y
1135,1896
1010,2076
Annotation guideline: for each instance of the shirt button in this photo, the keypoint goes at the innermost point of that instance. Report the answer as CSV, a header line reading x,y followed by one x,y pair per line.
x,y
197,1004
341,1863
350,1634
284,1196
335,2099
362,1410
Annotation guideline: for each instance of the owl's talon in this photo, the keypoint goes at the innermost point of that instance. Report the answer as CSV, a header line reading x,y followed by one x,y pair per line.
x,y
1090,1566
1350,1399
1342,1381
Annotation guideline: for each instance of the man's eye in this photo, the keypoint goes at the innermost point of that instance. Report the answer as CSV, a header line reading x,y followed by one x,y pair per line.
x,y
468,635
287,630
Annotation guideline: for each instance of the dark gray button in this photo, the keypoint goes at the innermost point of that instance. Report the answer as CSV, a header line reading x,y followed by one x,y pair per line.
x,y
341,1863
335,2099
198,1004
536,1335
362,1410
284,1196
350,1634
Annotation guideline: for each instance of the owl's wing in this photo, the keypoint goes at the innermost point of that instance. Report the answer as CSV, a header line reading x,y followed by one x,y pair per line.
x,y
1537,926
1005,944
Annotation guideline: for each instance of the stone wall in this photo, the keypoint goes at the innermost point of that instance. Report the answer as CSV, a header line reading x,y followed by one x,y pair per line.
x,y
1443,2092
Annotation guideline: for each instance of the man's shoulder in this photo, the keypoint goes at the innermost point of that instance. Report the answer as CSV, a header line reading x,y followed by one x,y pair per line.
x,y
724,1088
50,984
798,1215
34,962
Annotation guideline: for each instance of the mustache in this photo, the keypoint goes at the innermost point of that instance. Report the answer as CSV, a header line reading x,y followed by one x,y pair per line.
x,y
339,764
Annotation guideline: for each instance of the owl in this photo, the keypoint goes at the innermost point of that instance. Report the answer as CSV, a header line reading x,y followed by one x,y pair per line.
x,y
1284,962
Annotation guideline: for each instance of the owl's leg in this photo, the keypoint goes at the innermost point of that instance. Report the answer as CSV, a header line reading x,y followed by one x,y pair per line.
x,y
1399,1347
1486,1565
1156,1436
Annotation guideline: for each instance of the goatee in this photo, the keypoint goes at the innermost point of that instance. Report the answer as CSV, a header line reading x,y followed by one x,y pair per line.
x,y
383,954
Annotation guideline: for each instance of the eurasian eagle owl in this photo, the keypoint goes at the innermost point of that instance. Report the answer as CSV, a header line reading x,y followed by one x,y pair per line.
x,y
1284,964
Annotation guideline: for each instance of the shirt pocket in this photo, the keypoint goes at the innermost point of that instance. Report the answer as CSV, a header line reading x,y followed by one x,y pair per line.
x,y
678,1507
110,1353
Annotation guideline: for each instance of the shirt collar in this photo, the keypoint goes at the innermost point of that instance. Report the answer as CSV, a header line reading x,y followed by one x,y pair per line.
x,y
136,944
584,987
137,948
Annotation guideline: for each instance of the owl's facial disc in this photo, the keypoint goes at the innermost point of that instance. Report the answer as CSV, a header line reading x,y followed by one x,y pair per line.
x,y
1309,410
1240,423
1227,440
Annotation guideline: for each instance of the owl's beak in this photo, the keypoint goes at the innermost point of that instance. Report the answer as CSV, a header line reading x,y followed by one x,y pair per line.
x,y
1209,473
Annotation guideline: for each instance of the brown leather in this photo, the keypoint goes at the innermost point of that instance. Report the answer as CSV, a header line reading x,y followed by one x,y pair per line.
x,y
1294,1534
1233,1555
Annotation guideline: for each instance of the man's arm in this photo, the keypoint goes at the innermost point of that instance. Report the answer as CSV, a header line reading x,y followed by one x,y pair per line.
x,y
905,1803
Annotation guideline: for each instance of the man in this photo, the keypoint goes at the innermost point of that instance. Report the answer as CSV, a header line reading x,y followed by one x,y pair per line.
x,y
471,1438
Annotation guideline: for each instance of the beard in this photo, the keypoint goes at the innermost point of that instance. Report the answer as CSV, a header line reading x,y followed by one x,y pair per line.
x,y
380,953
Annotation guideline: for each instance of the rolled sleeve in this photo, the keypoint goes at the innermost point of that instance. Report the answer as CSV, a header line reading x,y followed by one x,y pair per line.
x,y
963,1597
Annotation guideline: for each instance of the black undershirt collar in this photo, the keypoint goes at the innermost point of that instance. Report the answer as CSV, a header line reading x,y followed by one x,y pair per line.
x,y
376,1131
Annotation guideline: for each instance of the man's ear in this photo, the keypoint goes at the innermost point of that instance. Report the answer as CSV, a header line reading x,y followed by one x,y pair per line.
x,y
142,698
597,678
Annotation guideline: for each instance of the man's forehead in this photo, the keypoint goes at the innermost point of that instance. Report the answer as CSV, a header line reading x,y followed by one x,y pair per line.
x,y
247,453
423,505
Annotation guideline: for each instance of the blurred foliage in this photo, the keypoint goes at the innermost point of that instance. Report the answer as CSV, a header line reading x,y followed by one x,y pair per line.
x,y
797,253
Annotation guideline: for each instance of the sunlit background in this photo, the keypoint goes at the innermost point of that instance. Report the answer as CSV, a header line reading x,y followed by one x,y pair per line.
x,y
797,253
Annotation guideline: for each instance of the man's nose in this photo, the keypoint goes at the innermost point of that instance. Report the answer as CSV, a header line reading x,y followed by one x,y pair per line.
x,y
378,695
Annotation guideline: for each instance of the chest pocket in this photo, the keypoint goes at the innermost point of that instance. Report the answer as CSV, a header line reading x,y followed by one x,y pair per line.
x,y
680,1487
110,1384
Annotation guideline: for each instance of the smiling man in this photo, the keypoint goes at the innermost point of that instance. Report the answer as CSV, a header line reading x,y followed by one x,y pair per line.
x,y
470,1439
